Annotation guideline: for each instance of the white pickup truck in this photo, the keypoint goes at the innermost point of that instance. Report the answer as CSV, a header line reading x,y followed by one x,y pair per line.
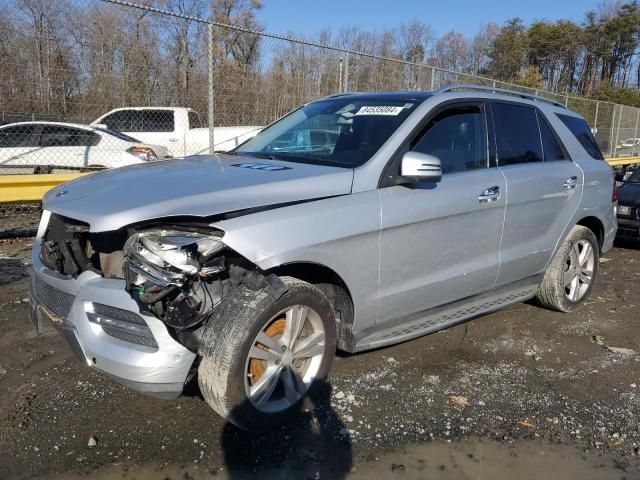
x,y
177,128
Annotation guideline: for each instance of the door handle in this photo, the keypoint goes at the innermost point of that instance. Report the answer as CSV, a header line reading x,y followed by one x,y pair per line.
x,y
174,140
491,194
571,183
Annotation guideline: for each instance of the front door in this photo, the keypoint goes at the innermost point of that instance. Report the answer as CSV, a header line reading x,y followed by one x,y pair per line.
x,y
440,242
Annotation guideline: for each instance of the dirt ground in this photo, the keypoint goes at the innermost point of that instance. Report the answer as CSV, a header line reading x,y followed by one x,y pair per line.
x,y
520,393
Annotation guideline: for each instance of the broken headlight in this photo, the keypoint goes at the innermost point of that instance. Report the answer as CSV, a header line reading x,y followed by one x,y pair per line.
x,y
169,257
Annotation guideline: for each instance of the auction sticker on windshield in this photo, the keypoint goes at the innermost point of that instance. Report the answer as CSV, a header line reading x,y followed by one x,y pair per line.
x,y
379,110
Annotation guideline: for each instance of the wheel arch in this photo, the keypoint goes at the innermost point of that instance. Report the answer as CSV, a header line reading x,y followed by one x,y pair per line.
x,y
333,286
596,226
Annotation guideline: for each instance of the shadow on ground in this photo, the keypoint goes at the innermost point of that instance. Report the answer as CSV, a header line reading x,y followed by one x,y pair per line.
x,y
316,445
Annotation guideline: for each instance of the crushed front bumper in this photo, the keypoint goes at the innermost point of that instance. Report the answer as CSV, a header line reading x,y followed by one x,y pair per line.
x,y
64,301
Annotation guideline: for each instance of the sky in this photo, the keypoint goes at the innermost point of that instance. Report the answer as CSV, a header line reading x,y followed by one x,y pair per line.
x,y
466,16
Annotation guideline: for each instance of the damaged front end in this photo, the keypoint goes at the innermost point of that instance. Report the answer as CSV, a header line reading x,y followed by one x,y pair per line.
x,y
177,275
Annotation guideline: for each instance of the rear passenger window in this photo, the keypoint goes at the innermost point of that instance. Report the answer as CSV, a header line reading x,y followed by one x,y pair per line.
x,y
157,121
61,136
458,138
550,146
583,134
119,121
517,134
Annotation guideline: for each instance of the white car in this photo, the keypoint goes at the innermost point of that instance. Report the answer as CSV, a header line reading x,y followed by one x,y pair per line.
x,y
44,146
630,143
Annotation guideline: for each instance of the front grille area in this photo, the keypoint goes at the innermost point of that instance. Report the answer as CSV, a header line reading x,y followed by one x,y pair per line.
x,y
69,248
55,300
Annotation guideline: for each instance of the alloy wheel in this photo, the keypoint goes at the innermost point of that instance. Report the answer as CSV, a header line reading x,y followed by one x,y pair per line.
x,y
578,273
284,359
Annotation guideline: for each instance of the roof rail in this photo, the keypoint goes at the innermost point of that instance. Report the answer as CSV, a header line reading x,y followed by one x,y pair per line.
x,y
504,91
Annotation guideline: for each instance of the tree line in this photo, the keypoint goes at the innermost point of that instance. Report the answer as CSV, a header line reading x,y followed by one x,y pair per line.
x,y
75,59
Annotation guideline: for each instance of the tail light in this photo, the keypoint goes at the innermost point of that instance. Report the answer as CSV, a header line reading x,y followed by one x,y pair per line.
x,y
614,195
143,153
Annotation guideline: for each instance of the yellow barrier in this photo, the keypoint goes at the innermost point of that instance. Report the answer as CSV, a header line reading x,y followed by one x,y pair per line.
x,y
31,188
623,161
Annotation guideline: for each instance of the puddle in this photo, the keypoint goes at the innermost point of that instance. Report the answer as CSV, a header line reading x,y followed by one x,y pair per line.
x,y
468,459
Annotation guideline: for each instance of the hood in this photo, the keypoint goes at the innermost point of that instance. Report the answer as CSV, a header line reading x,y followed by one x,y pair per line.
x,y
196,186
629,195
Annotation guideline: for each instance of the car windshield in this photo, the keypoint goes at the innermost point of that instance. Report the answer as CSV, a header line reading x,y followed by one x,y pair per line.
x,y
344,131
119,135
635,177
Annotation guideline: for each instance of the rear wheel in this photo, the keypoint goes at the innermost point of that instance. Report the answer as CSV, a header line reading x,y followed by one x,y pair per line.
x,y
262,356
569,278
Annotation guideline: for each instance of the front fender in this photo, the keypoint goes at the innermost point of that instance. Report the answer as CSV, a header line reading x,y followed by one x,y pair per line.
x,y
340,233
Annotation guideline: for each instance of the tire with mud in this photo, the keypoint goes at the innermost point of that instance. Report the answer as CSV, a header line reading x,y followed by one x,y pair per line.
x,y
261,356
570,275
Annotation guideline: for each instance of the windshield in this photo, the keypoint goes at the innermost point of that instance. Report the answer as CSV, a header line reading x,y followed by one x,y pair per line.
x,y
344,131
635,177
119,135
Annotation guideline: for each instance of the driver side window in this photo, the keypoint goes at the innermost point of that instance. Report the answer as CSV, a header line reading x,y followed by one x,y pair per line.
x,y
458,138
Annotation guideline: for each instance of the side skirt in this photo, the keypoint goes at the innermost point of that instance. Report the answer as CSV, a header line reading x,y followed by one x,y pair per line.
x,y
438,318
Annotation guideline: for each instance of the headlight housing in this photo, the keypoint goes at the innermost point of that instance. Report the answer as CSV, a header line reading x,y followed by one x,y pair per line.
x,y
143,153
168,256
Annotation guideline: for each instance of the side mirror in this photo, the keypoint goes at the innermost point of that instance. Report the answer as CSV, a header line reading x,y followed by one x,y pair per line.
x,y
100,125
419,167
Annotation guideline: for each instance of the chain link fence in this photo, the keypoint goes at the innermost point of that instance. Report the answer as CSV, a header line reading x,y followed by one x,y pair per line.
x,y
178,85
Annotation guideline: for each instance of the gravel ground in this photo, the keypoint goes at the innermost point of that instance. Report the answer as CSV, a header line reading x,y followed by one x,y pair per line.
x,y
486,396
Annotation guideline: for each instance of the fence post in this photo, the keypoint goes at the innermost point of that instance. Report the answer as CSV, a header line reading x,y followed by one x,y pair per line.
x,y
340,76
595,119
210,98
613,128
635,135
433,79
618,129
566,101
346,71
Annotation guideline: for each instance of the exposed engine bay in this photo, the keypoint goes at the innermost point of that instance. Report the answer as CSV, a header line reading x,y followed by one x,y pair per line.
x,y
178,273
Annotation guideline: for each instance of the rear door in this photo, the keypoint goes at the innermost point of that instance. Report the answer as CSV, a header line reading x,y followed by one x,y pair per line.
x,y
543,189
440,241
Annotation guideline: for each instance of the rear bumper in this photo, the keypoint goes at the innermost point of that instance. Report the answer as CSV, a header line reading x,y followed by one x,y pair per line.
x,y
160,372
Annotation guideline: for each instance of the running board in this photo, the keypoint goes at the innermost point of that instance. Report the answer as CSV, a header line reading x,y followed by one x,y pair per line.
x,y
439,318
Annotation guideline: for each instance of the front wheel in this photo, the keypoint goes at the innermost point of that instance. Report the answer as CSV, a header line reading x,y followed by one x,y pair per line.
x,y
262,356
569,278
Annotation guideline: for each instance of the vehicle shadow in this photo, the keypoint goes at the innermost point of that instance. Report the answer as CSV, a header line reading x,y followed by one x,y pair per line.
x,y
627,243
314,445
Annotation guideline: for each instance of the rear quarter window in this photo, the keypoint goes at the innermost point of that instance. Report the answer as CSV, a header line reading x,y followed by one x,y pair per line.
x,y
578,126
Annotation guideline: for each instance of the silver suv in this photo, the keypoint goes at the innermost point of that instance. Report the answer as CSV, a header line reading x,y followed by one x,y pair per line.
x,y
355,222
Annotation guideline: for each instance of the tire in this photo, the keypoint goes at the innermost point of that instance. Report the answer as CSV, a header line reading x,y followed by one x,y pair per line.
x,y
555,293
227,371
